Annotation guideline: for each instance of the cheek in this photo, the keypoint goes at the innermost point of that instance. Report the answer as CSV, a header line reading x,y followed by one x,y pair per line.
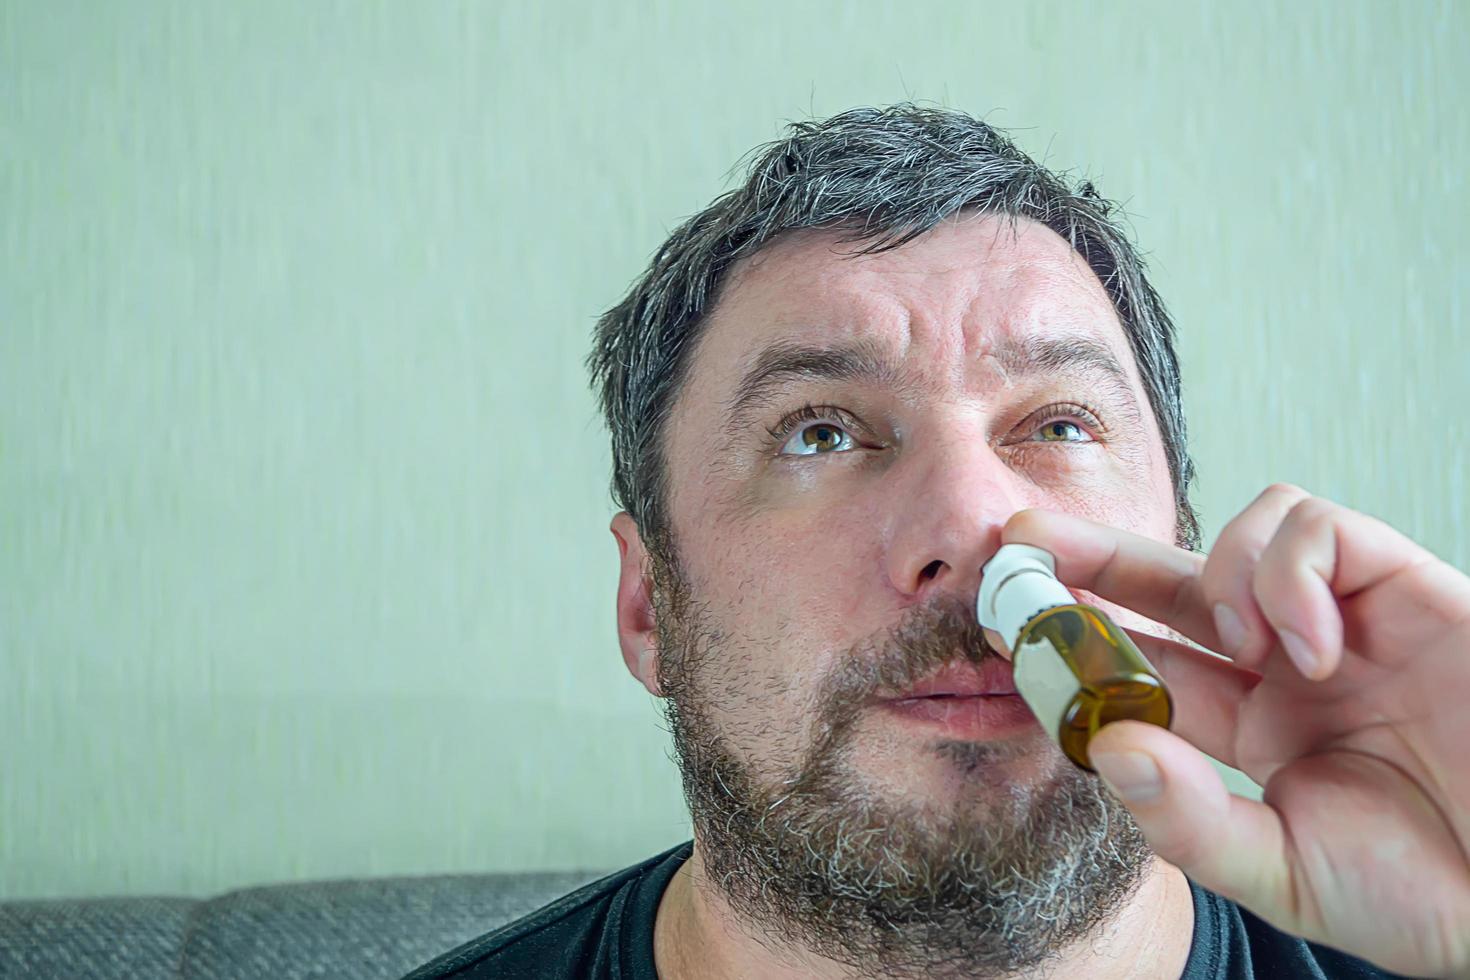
x,y
785,594
789,580
798,569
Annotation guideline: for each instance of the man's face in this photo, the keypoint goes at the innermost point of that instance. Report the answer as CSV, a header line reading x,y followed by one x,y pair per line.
x,y
830,521
801,545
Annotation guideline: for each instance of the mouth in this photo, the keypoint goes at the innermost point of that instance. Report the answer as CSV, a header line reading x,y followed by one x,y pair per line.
x,y
990,679
965,702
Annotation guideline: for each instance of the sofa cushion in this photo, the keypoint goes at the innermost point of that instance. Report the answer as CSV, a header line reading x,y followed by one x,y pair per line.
x,y
105,938
380,927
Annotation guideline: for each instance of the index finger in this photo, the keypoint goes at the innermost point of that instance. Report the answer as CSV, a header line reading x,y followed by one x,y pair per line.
x,y
1156,580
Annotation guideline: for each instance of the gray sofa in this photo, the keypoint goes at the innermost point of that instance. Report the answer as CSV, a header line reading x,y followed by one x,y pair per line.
x,y
367,928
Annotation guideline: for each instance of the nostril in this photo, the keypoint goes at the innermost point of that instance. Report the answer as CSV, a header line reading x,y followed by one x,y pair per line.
x,y
931,570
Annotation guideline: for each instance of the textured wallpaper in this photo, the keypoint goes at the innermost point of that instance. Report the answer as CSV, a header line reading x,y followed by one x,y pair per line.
x,y
304,567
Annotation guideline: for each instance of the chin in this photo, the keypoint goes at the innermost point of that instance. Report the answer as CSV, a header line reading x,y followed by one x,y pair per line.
x,y
950,770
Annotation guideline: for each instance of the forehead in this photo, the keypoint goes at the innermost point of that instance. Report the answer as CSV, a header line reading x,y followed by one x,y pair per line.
x,y
950,295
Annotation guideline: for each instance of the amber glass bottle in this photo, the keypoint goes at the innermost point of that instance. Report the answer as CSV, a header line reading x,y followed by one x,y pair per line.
x,y
1073,666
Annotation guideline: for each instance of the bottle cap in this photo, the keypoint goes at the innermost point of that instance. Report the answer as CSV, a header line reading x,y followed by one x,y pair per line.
x,y
1031,573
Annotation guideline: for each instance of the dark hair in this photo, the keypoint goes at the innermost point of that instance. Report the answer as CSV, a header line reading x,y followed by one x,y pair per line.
x,y
888,175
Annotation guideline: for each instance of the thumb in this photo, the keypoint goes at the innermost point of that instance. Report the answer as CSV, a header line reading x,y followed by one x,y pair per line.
x,y
1231,845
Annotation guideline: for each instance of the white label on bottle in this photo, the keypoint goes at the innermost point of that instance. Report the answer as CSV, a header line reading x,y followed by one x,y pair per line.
x,y
1046,682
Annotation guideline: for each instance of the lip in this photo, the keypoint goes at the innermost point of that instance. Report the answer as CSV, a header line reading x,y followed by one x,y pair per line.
x,y
977,718
962,679
965,701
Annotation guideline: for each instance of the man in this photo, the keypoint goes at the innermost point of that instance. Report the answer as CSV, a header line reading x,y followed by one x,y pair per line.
x,y
818,446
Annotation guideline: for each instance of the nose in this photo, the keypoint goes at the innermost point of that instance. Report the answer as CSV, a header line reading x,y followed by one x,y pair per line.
x,y
947,520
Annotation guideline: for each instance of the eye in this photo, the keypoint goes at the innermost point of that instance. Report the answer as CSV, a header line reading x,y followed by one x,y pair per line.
x,y
818,438
815,430
1058,428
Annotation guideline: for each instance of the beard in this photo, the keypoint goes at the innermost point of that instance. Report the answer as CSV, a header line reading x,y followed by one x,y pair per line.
x,y
817,858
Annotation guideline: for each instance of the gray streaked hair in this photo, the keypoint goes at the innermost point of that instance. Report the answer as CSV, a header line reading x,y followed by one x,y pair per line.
x,y
886,176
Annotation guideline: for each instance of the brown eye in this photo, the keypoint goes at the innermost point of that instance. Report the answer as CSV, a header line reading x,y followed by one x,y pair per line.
x,y
818,438
1056,431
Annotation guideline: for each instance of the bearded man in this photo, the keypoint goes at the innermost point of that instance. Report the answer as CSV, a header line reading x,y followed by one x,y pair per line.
x,y
833,395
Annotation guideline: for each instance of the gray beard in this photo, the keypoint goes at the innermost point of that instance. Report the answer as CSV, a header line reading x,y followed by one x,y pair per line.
x,y
817,860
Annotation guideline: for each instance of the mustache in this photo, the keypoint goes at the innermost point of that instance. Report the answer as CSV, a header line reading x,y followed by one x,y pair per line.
x,y
926,639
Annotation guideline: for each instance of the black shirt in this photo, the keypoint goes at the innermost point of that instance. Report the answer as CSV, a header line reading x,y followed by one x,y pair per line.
x,y
604,931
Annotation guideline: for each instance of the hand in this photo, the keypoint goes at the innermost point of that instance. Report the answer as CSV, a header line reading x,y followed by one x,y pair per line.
x,y
1347,698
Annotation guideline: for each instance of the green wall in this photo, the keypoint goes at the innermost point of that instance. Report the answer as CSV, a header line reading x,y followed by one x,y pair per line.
x,y
304,569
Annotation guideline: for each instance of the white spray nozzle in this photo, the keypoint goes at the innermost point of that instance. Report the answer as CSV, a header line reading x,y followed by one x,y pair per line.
x,y
1006,614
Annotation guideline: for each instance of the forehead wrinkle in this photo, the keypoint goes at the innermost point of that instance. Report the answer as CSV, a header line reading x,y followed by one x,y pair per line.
x,y
863,360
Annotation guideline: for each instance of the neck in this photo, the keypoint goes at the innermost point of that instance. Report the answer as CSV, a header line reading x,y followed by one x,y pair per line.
x,y
696,934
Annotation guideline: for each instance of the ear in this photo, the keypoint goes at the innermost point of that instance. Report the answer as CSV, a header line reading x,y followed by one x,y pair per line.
x,y
636,633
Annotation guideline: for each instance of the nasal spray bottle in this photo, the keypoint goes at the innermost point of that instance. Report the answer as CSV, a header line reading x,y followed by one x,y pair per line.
x,y
1075,669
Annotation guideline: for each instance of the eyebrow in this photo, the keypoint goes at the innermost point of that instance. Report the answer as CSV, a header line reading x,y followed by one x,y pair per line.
x,y
1019,357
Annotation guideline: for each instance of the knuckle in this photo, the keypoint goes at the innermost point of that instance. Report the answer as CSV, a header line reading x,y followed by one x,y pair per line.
x,y
1310,512
1232,561
1282,489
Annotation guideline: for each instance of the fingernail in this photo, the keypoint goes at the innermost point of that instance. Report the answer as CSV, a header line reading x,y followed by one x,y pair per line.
x,y
1133,775
1299,651
1231,628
